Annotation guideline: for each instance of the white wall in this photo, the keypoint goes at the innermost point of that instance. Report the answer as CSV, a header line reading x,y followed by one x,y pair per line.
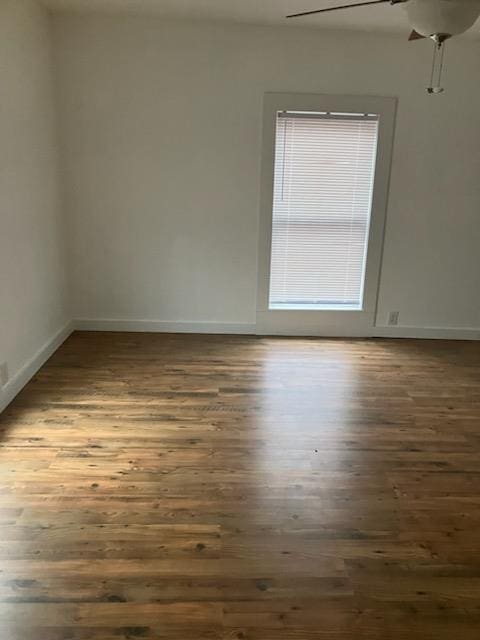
x,y
33,303
160,123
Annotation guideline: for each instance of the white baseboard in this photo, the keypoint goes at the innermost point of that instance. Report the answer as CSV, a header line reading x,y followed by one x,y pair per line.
x,y
427,333
154,326
30,368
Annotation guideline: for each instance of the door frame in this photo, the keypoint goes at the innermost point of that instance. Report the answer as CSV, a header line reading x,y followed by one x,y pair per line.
x,y
324,322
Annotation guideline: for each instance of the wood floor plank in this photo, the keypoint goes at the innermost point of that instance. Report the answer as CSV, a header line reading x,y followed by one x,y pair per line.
x,y
188,487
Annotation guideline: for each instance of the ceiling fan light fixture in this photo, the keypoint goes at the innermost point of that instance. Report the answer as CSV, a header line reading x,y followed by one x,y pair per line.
x,y
441,17
438,20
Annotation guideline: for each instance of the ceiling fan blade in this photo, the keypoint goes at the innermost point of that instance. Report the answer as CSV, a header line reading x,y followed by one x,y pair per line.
x,y
416,36
345,6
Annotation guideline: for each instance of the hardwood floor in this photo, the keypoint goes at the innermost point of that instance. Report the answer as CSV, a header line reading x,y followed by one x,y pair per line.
x,y
190,487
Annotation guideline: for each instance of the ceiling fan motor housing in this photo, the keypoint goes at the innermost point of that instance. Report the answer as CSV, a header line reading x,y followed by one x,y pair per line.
x,y
443,17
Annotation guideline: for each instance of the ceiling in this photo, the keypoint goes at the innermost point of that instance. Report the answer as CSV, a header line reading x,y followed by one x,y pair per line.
x,y
266,12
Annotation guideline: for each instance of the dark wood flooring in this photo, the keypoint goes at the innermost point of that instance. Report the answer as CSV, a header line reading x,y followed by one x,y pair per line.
x,y
190,487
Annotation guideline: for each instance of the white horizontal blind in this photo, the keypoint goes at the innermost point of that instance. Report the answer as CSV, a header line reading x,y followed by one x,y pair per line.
x,y
324,173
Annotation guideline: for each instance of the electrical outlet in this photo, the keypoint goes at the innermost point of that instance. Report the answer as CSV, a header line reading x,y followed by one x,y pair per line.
x,y
3,374
393,318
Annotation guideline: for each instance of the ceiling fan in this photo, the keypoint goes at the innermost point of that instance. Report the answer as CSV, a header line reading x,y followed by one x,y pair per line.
x,y
434,19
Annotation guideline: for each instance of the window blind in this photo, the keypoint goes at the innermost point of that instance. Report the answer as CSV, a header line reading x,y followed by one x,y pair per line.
x,y
324,173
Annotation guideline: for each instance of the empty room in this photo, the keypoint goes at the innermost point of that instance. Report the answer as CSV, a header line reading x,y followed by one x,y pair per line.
x,y
239,320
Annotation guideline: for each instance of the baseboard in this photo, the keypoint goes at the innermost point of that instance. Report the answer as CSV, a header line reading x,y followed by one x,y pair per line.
x,y
30,368
427,333
154,326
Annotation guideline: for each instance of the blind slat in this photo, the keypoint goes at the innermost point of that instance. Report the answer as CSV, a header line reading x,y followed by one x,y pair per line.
x,y
324,171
